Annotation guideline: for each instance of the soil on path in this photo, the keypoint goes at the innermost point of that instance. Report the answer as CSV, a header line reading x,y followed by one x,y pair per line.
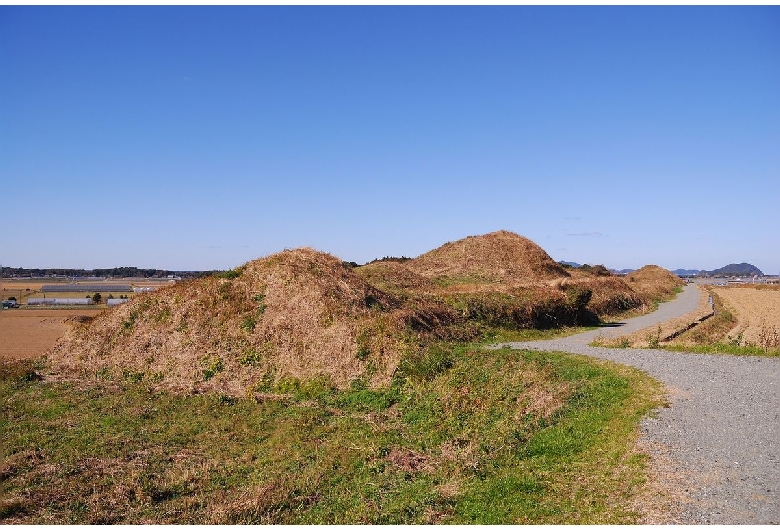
x,y
715,450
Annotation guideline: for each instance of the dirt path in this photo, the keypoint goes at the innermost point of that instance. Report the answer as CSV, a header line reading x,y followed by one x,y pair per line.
x,y
717,447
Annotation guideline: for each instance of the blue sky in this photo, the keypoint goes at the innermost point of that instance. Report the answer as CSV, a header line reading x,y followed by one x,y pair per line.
x,y
191,138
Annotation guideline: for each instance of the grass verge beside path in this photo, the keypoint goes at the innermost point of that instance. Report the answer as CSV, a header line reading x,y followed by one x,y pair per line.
x,y
463,435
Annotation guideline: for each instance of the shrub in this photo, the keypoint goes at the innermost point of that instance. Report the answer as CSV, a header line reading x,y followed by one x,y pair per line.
x,y
577,297
230,274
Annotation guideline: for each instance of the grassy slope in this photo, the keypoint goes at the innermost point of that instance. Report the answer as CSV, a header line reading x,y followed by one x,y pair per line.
x,y
463,435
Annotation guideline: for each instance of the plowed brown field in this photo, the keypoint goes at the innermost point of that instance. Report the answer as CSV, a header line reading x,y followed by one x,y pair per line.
x,y
757,311
28,333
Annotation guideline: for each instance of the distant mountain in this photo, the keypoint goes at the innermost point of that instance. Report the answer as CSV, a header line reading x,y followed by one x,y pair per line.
x,y
737,269
572,264
686,272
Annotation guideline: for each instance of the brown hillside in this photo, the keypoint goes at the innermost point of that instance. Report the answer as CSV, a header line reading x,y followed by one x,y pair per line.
x,y
394,277
298,313
499,257
654,282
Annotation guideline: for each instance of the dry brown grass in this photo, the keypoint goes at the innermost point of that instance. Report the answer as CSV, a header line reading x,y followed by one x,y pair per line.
x,y
298,313
501,256
654,282
396,278
303,314
611,294
504,279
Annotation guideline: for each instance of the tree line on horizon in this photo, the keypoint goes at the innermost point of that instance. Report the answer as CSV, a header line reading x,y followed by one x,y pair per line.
x,y
116,272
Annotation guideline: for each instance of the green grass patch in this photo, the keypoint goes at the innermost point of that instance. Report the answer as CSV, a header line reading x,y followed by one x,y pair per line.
x,y
523,335
725,348
462,435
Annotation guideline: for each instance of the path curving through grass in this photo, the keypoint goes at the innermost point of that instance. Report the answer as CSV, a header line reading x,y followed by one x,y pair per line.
x,y
716,448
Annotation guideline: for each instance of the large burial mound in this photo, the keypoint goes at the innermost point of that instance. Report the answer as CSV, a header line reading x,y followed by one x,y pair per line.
x,y
499,257
297,314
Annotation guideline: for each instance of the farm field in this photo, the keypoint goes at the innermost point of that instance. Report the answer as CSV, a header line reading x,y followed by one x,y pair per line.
x,y
28,333
23,289
757,311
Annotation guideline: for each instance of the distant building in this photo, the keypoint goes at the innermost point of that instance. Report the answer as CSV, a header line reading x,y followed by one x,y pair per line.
x,y
116,301
86,288
59,301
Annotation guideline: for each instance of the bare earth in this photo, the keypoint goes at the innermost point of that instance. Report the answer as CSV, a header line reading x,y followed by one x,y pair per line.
x,y
756,310
28,333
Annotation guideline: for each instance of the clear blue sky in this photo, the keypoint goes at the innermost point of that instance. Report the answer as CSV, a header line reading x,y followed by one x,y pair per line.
x,y
203,137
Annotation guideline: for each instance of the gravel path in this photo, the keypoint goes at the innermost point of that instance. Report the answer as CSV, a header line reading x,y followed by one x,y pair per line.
x,y
722,429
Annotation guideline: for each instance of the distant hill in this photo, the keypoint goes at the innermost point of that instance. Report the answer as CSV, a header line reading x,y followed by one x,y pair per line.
x,y
737,269
686,272
734,269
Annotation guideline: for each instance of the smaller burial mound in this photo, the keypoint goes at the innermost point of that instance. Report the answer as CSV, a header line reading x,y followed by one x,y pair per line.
x,y
610,295
499,257
297,314
654,282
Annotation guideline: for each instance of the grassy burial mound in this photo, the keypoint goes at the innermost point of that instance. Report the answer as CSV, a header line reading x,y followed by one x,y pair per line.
x,y
499,257
302,315
506,280
298,314
654,283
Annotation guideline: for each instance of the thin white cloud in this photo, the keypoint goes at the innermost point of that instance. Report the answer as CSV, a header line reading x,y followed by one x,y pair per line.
x,y
588,234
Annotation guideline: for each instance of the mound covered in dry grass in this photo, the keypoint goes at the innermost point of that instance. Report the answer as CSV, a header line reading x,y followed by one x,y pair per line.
x,y
654,282
499,257
297,314
301,315
505,279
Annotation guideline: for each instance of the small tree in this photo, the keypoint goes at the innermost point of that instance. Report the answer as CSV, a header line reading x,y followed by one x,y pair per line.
x,y
96,298
576,299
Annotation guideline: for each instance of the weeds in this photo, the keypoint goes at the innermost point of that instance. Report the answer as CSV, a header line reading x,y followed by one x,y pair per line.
x,y
212,366
768,338
654,339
